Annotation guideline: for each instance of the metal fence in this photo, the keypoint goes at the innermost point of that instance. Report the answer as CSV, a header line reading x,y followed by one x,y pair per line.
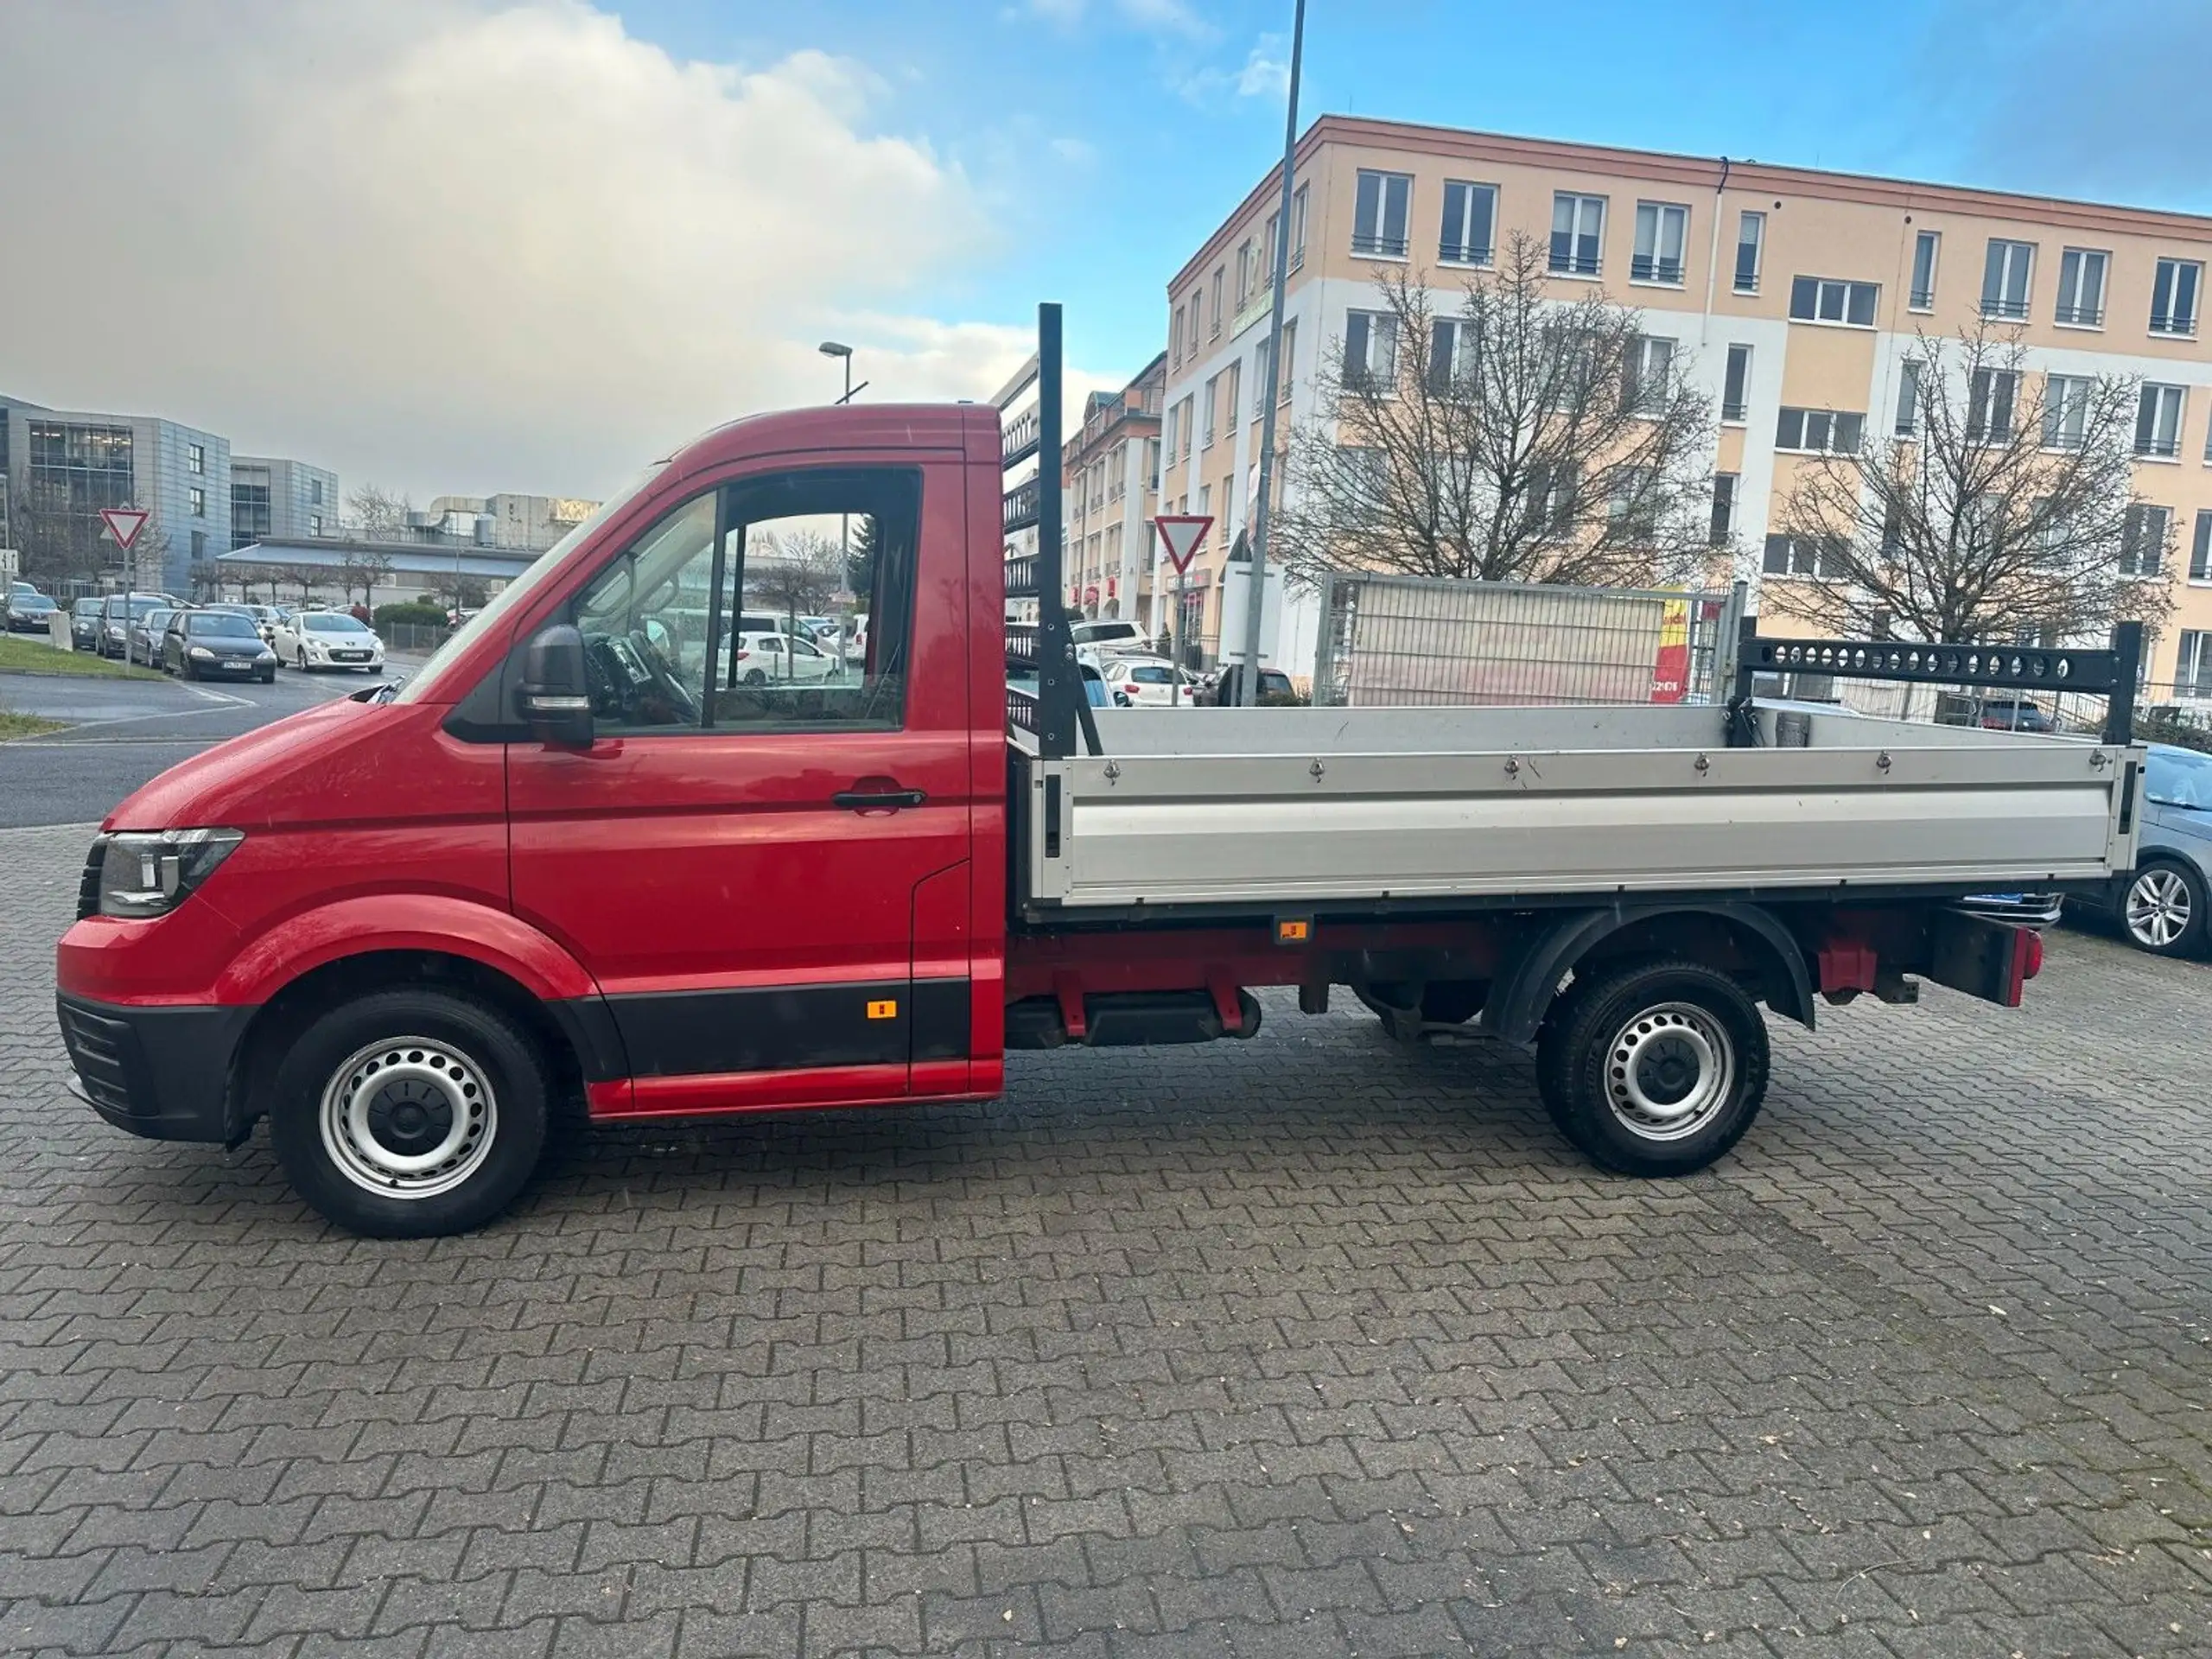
x,y
414,638
1397,640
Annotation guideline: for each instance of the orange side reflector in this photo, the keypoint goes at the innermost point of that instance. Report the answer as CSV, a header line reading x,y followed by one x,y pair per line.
x,y
883,1010
1294,932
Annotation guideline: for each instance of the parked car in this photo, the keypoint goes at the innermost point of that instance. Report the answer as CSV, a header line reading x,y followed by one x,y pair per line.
x,y
312,640
146,630
856,639
1150,681
2009,714
200,643
85,623
1275,689
2161,905
117,613
27,613
761,658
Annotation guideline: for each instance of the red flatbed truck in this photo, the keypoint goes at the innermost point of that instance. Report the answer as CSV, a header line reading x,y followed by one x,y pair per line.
x,y
598,856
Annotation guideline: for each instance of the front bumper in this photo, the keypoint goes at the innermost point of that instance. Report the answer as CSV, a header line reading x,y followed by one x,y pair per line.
x,y
164,1072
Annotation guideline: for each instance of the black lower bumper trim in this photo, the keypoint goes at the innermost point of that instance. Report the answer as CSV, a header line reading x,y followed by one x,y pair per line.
x,y
162,1072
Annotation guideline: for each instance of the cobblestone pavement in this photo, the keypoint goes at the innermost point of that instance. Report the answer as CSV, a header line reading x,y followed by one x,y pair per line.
x,y
1319,1346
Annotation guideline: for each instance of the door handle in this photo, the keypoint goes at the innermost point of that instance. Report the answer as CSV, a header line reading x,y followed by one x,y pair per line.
x,y
888,797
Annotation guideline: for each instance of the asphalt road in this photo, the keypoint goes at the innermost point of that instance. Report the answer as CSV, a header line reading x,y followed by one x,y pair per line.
x,y
123,732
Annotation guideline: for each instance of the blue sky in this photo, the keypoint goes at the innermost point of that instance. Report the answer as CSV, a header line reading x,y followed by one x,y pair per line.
x,y
490,245
1111,135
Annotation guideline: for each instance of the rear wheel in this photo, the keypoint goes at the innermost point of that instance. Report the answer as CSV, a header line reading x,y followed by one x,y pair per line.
x,y
1656,1067
410,1114
2162,910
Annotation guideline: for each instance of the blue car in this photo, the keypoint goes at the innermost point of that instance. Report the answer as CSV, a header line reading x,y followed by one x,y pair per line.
x,y
2161,907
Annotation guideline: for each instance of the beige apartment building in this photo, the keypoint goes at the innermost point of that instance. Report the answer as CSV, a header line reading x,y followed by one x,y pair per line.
x,y
1112,469
1793,298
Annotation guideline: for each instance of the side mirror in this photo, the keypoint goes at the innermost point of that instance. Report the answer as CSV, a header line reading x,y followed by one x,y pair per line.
x,y
554,699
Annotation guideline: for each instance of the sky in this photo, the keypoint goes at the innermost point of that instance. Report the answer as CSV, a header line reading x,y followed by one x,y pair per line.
x,y
469,246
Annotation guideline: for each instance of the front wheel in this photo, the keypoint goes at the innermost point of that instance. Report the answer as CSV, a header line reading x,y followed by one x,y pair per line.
x,y
1657,1068
410,1114
2162,910
300,659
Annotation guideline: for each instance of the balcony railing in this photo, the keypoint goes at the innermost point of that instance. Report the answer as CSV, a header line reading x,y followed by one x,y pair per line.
x,y
1642,268
1997,309
1379,247
1921,299
1465,253
2173,322
1567,263
2083,317
2158,448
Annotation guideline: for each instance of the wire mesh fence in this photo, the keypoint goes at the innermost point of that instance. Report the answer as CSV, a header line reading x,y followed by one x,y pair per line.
x,y
1398,640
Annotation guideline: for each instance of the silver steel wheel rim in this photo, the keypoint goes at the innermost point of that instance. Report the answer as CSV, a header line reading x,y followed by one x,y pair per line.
x,y
1668,1071
2158,908
409,1118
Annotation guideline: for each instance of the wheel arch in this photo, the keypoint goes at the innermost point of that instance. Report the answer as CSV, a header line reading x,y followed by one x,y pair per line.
x,y
1744,940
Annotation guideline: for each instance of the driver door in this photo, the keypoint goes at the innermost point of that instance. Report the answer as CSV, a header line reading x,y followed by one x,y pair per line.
x,y
752,871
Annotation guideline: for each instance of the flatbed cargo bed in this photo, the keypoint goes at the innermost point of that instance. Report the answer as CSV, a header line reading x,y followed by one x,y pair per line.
x,y
1272,807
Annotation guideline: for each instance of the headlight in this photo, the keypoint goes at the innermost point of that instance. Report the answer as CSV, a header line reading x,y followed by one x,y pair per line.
x,y
202,652
147,873
266,656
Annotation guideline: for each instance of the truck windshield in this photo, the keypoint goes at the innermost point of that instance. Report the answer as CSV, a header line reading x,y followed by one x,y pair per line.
x,y
425,684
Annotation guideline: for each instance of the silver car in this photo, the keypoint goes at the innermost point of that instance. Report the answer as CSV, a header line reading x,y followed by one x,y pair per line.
x,y
2162,905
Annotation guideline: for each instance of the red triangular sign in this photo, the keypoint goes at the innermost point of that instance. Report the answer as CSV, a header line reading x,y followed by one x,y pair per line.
x,y
1180,533
124,523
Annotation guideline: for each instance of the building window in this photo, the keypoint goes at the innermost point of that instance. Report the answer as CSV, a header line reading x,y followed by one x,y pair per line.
x,y
1819,431
1451,354
1724,509
1803,555
2193,667
1289,361
1298,227
1220,282
1370,348
1553,501
2006,276
2143,539
1174,411
1751,246
1990,396
2200,550
2158,422
1212,415
1644,375
1235,394
196,502
1908,421
1175,338
1197,316
198,545
1379,213
1828,299
1246,273
1662,228
1735,390
1470,216
1578,233
2173,296
1925,247
1260,378
314,491
1188,423
2065,411
2081,288
195,458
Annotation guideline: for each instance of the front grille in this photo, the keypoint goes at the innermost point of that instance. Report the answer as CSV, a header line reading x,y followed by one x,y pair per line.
x,y
88,883
96,1048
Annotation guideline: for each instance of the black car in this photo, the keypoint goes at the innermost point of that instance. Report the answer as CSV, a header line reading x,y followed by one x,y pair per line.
x,y
1275,689
27,613
200,643
85,623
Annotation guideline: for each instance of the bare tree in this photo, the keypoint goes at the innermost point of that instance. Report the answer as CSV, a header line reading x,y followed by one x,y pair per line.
x,y
380,514
364,566
2004,507
1511,438
57,542
794,572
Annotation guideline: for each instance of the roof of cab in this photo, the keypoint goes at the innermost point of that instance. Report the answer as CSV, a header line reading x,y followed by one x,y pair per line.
x,y
972,429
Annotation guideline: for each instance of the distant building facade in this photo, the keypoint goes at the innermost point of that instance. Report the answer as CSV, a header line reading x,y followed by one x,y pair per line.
x,y
522,523
63,466
1112,469
271,496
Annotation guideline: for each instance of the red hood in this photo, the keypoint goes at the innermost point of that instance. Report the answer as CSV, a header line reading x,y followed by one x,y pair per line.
x,y
294,771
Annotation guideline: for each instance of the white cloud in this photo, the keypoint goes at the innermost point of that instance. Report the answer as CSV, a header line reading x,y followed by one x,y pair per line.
x,y
455,245
1265,74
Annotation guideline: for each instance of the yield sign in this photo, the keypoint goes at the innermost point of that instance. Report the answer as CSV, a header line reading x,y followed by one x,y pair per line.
x,y
124,523
1180,533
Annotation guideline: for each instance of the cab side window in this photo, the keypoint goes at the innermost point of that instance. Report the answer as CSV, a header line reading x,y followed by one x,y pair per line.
x,y
644,620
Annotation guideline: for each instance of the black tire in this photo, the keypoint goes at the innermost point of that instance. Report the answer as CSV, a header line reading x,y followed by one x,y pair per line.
x,y
1611,1058
300,659
267,675
2162,908
473,1081
754,676
189,671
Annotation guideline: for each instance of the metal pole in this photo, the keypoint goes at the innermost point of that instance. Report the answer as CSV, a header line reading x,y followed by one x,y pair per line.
x,y
1255,589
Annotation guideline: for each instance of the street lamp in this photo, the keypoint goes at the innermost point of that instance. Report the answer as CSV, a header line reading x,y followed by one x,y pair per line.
x,y
838,348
